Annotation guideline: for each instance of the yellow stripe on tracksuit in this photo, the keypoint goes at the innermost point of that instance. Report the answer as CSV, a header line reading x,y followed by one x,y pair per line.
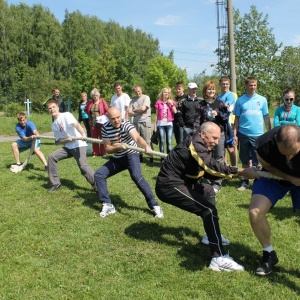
x,y
206,168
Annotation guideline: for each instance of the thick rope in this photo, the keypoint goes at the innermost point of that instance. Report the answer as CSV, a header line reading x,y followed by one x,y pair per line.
x,y
141,150
97,141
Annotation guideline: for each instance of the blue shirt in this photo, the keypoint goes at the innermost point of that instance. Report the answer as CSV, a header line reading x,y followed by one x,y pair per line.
x,y
251,111
228,98
282,116
25,131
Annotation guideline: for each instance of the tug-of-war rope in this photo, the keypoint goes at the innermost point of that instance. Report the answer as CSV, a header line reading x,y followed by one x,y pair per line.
x,y
16,169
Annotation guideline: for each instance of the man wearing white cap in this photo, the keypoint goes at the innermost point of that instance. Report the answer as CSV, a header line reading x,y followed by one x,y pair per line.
x,y
186,112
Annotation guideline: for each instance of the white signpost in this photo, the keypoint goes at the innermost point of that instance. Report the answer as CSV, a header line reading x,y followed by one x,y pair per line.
x,y
27,106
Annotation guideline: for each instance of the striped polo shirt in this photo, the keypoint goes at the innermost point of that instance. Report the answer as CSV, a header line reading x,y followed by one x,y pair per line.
x,y
119,135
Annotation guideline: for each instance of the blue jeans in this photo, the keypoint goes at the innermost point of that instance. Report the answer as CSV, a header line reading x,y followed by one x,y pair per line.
x,y
162,130
247,149
117,165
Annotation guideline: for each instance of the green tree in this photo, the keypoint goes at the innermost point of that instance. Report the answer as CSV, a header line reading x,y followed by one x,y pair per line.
x,y
104,72
256,52
289,69
162,72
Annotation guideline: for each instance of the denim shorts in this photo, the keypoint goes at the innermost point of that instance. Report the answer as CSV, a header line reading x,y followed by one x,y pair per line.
x,y
23,146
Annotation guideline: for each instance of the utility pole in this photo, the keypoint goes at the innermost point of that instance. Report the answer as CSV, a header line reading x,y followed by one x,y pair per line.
x,y
231,46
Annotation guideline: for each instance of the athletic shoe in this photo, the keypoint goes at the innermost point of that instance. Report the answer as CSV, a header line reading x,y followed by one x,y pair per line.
x,y
46,168
158,213
225,242
269,260
107,209
244,186
54,188
224,263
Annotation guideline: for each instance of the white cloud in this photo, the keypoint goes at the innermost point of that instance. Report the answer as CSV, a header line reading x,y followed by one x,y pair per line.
x,y
168,20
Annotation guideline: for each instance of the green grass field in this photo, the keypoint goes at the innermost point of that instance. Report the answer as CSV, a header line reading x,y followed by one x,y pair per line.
x,y
55,246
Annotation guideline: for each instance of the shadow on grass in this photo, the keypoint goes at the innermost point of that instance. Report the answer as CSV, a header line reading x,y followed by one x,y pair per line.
x,y
197,256
280,213
121,206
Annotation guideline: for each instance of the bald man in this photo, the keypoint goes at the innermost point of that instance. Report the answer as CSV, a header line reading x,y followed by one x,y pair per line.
x,y
117,134
177,184
279,153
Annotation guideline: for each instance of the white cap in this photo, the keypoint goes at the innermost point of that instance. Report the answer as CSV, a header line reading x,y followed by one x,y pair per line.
x,y
192,85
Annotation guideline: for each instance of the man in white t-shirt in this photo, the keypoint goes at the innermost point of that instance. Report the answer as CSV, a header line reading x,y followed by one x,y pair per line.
x,y
64,128
120,100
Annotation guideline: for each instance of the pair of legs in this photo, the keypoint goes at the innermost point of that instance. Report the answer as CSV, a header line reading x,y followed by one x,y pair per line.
x,y
247,150
178,133
199,200
20,146
96,133
168,130
144,130
117,165
79,155
86,123
265,194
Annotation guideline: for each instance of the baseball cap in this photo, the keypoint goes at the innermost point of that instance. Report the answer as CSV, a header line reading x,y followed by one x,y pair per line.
x,y
192,85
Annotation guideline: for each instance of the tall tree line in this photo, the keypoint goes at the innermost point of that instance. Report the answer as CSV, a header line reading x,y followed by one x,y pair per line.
x,y
38,53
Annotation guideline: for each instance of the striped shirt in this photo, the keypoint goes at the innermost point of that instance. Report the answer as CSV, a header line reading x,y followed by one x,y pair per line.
x,y
119,135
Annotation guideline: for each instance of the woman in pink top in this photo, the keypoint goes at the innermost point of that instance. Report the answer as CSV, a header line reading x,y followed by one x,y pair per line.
x,y
165,110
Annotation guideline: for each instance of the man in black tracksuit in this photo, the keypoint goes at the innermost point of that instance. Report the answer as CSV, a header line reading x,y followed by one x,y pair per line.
x,y
177,184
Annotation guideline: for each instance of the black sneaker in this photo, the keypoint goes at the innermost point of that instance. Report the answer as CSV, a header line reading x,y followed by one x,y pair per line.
x,y
54,188
269,260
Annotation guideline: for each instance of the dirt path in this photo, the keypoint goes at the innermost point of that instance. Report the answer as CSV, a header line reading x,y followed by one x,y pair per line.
x,y
8,138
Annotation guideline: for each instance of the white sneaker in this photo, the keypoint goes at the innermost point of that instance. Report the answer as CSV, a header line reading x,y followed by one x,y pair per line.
x,y
225,263
244,186
107,209
158,213
225,242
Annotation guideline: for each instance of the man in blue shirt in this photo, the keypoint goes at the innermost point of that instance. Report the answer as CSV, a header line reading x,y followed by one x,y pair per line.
x,y
251,113
27,131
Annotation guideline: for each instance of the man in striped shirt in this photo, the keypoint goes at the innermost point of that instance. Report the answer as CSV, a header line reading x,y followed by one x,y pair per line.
x,y
117,134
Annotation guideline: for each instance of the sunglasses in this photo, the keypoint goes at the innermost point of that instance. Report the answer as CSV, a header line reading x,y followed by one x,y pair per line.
x,y
289,99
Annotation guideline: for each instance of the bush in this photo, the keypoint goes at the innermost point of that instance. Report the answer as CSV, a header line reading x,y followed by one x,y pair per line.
x,y
12,109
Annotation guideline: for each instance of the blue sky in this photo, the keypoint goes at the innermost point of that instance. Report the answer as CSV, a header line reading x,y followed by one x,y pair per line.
x,y
187,27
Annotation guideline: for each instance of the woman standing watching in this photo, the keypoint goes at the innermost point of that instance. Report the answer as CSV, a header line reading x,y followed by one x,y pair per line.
x,y
165,110
82,115
288,113
95,108
214,110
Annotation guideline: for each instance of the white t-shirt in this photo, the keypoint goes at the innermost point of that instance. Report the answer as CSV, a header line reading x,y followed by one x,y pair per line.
x,y
121,102
63,127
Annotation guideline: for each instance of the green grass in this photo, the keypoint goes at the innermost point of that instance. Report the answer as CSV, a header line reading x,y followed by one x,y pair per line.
x,y
55,246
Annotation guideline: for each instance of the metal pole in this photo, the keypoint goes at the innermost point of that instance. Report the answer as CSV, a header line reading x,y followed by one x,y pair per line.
x,y
231,46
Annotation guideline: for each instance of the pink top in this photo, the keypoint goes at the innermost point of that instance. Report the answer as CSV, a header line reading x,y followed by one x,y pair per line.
x,y
159,106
